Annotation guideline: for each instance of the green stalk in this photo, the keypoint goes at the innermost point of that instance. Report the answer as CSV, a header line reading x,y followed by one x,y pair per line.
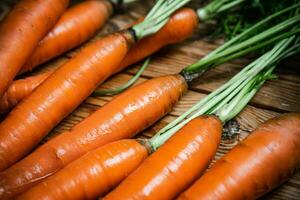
x,y
215,7
228,100
274,34
125,86
157,17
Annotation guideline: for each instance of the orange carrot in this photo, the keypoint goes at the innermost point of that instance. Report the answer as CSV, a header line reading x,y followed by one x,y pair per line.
x,y
257,165
181,25
123,117
93,174
20,89
175,165
76,25
66,88
21,31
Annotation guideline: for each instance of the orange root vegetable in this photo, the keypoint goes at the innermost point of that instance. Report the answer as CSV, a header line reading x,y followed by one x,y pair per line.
x,y
123,117
76,26
20,32
181,25
175,165
93,174
20,89
63,91
257,165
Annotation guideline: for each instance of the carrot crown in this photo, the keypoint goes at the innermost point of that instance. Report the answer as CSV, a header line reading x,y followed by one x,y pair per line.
x,y
228,100
157,17
252,39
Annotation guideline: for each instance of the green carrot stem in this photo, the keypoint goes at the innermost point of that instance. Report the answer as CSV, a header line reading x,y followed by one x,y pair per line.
x,y
215,7
157,17
125,86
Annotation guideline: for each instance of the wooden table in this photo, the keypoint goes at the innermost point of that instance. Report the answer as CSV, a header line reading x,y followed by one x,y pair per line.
x,y
276,97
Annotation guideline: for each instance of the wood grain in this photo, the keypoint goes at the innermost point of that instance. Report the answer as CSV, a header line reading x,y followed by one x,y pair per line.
x,y
275,97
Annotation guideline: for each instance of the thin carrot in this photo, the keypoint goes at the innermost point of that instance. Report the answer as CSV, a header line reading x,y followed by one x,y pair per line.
x,y
93,174
123,117
20,89
75,26
21,31
257,165
181,159
173,32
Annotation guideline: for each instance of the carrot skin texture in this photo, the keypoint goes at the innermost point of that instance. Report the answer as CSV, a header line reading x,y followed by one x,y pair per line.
x,y
123,117
175,31
55,98
93,174
181,25
75,26
20,89
257,165
20,32
175,165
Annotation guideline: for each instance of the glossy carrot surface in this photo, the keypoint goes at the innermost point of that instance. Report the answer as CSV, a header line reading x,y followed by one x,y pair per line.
x,y
175,165
123,117
20,32
93,174
55,98
76,26
257,165
172,33
20,89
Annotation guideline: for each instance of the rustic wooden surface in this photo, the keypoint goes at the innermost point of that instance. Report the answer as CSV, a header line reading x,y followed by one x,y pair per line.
x,y
276,97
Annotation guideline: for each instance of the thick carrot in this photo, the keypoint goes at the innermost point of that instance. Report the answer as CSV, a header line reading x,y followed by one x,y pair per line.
x,y
93,174
123,117
175,165
257,165
20,32
180,26
65,89
76,25
20,89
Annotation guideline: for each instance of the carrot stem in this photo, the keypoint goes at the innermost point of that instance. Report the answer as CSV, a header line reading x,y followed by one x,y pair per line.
x,y
216,7
125,86
157,17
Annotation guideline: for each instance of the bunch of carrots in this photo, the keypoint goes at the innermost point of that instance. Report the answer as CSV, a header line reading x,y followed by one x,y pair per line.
x,y
96,158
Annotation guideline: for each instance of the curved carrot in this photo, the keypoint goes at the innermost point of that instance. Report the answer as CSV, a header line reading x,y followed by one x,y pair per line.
x,y
75,26
180,26
66,88
21,31
175,165
123,117
20,89
257,165
93,174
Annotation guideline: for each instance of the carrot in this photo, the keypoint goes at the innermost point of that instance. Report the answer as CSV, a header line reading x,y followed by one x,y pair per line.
x,y
93,174
257,165
174,166
173,32
76,25
181,25
21,31
20,89
66,88
123,117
